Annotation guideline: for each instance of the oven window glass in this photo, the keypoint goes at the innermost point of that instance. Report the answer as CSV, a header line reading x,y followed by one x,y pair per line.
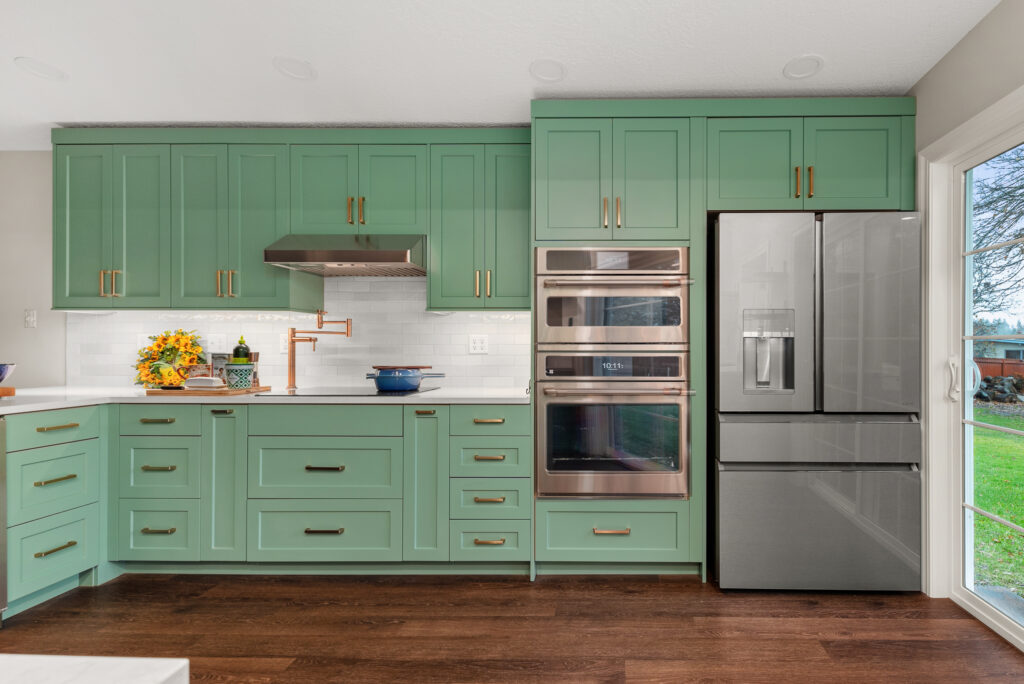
x,y
613,437
605,312
612,366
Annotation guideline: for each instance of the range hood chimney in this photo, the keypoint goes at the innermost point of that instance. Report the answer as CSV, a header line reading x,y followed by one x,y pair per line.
x,y
350,255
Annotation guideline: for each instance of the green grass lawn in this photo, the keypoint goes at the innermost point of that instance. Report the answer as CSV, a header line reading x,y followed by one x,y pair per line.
x,y
999,489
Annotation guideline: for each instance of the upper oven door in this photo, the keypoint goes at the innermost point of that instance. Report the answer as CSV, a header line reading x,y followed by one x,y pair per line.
x,y
581,309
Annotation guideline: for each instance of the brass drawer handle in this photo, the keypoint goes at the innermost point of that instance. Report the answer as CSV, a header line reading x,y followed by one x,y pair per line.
x,y
113,283
158,469
625,531
362,216
51,428
220,293
489,542
810,174
488,290
476,284
310,530
426,413
485,499
478,457
154,421
44,554
169,530
103,292
618,212
480,421
336,469
604,210
231,289
222,412
43,483
350,200
796,170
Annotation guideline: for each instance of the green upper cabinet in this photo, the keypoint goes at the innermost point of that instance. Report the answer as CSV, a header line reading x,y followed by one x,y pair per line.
x,y
479,227
573,177
852,162
82,220
199,228
755,163
141,237
651,178
325,184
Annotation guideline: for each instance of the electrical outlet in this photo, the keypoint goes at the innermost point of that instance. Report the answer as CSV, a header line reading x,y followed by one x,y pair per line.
x,y
30,318
478,344
282,343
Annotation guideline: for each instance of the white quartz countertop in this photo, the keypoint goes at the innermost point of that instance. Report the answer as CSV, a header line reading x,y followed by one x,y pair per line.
x,y
49,398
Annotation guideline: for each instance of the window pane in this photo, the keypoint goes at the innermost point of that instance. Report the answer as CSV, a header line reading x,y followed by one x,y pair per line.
x,y
998,563
997,297
995,190
999,462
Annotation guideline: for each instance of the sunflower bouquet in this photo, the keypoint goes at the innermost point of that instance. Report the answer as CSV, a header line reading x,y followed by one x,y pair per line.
x,y
158,363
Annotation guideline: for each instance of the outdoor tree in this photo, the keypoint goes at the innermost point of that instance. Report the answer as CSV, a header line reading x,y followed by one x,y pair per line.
x,y
998,216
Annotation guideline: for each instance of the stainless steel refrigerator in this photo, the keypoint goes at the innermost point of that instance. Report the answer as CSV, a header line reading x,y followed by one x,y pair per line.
x,y
818,343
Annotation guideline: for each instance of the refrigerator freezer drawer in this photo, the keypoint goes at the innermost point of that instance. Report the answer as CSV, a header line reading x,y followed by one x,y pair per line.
x,y
819,530
778,438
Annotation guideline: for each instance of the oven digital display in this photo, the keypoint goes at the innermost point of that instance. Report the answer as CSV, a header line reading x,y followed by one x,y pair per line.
x,y
617,366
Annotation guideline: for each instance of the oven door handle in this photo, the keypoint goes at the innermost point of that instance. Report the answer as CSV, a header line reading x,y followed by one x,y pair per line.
x,y
656,391
613,282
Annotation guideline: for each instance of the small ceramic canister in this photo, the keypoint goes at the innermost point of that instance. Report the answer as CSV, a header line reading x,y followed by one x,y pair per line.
x,y
239,375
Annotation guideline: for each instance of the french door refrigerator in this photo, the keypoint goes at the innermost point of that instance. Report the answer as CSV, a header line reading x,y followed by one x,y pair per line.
x,y
817,324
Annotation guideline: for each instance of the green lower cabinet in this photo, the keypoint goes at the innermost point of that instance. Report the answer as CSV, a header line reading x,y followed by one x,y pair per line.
x,y
223,482
159,419
43,428
425,498
490,540
332,530
164,467
491,497
609,531
50,479
491,456
158,530
52,549
350,420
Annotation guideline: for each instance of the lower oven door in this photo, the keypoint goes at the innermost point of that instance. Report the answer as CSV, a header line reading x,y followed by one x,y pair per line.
x,y
613,438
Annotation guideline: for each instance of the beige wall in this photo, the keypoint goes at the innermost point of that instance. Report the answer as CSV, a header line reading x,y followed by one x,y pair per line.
x,y
981,69
26,267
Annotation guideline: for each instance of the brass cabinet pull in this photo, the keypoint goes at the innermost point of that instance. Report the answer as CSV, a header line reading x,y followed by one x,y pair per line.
x,y
151,421
113,283
220,293
158,469
605,211
625,531
618,212
362,216
44,554
102,291
489,542
476,284
488,420
350,200
478,457
797,170
169,530
222,412
485,499
231,289
336,469
51,428
43,483
810,187
310,530
428,412
488,282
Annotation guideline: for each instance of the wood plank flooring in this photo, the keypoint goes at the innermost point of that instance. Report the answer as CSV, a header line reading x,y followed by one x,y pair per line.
x,y
292,629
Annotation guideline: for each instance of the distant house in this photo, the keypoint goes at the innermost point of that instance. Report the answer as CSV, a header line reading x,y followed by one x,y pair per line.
x,y
1005,349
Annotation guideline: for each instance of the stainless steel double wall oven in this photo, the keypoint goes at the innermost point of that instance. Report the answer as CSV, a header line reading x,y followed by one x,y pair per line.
x,y
613,408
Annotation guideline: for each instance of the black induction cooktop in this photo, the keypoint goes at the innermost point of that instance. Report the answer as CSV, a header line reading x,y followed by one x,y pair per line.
x,y
343,392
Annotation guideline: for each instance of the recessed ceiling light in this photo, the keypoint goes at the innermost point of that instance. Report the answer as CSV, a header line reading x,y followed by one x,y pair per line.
x,y
547,70
294,68
803,66
40,69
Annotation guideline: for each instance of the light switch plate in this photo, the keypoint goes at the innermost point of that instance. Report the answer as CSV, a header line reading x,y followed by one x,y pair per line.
x,y
30,318
478,344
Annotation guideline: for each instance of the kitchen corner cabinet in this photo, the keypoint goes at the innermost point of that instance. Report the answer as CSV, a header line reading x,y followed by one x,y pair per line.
x,y
808,163
359,189
612,178
480,227
425,496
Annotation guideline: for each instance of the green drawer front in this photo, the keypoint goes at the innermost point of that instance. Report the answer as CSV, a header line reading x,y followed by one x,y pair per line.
x,y
491,420
51,479
491,498
490,540
158,529
354,420
308,467
160,419
30,430
596,531
52,549
491,456
338,530
162,467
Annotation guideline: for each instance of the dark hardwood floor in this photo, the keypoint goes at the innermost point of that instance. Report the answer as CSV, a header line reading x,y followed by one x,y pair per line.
x,y
480,629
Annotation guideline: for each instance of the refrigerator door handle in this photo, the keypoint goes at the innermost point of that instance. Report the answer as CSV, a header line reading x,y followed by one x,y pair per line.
x,y
817,467
764,362
954,379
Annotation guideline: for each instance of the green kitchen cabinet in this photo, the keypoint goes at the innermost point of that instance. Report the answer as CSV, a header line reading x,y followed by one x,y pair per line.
x,y
755,163
50,549
853,162
324,189
573,178
651,178
83,225
222,482
425,500
507,227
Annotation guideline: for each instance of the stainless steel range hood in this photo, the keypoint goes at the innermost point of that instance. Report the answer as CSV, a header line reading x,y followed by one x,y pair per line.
x,y
350,255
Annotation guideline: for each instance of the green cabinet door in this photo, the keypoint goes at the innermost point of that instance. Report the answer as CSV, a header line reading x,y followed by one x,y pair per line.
x,y
223,483
141,233
324,187
573,179
82,226
855,162
753,164
199,226
456,226
651,178
392,190
507,227
425,500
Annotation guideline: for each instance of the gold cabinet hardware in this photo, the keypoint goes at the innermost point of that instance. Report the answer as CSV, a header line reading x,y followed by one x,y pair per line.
x,y
488,282
362,216
489,542
478,421
604,210
618,212
51,428
625,531
169,530
222,412
43,483
231,289
103,274
797,171
151,421
44,554
220,293
336,469
428,412
478,457
310,530
488,499
113,283
476,284
158,469
350,200
810,183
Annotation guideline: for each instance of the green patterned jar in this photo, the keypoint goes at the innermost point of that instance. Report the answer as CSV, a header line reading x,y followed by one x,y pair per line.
x,y
239,375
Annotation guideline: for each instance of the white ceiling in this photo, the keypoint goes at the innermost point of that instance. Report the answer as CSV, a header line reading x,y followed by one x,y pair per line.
x,y
442,61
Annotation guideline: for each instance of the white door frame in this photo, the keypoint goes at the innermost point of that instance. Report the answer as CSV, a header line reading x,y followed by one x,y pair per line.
x,y
941,166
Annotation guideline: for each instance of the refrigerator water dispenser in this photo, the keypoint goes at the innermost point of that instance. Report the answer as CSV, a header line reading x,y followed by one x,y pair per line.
x,y
768,350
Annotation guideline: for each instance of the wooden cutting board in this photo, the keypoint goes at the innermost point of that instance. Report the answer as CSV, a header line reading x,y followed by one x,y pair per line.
x,y
6,391
224,392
